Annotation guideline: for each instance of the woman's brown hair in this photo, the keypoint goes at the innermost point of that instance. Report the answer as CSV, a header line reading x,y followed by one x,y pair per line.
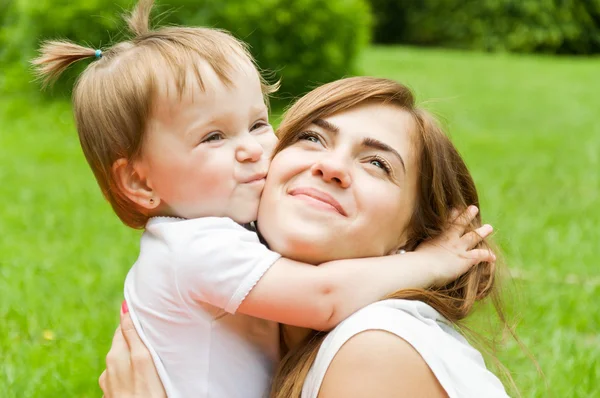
x,y
112,99
444,184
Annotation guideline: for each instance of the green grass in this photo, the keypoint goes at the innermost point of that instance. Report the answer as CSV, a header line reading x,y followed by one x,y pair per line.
x,y
526,125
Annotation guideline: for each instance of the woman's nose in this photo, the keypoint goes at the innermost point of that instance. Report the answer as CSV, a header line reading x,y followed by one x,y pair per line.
x,y
249,150
332,170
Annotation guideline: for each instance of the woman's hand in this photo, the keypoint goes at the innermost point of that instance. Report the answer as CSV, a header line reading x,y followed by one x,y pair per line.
x,y
455,251
130,371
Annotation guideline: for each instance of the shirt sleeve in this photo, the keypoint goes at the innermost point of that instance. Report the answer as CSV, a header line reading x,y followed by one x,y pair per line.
x,y
217,261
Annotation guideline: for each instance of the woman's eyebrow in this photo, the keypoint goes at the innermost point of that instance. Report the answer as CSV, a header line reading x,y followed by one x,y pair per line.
x,y
367,142
324,124
382,146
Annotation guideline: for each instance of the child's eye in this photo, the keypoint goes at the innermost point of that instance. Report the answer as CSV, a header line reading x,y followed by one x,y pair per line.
x,y
259,125
213,137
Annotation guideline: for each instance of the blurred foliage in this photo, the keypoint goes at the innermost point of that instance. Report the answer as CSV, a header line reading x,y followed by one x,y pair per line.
x,y
312,41
551,26
306,42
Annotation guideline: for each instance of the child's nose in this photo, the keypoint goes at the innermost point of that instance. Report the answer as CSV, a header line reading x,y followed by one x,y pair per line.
x,y
249,150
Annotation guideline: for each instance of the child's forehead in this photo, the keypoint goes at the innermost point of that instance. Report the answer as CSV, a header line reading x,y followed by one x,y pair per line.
x,y
198,77
204,95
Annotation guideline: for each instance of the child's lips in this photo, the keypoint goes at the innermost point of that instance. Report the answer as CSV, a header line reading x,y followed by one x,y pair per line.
x,y
260,177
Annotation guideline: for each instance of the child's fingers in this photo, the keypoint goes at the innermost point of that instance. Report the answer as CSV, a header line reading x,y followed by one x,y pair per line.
x,y
473,238
454,213
481,255
461,222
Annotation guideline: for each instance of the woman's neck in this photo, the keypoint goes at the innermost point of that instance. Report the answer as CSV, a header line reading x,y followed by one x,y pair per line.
x,y
294,335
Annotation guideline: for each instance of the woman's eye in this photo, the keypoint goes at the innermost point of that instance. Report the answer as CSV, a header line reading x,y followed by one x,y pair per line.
x,y
213,137
377,163
380,164
310,136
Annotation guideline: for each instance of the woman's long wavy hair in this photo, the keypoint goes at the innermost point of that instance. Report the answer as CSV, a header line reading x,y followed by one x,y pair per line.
x,y
444,183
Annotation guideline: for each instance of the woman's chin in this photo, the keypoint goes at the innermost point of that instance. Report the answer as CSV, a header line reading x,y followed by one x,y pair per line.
x,y
302,251
301,247
300,235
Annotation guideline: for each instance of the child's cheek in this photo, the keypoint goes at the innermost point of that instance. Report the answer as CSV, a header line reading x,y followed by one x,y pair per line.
x,y
268,141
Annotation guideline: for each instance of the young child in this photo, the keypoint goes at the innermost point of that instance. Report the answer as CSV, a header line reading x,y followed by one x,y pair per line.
x,y
174,125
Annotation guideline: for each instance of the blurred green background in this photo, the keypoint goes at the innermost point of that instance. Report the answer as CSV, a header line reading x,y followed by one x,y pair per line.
x,y
516,83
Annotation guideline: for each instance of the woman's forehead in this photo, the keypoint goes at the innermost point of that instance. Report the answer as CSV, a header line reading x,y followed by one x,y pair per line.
x,y
387,123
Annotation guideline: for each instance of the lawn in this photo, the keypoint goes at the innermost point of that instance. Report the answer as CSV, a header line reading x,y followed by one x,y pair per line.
x,y
526,125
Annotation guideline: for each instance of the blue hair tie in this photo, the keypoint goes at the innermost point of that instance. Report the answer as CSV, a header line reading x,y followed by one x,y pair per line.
x,y
98,54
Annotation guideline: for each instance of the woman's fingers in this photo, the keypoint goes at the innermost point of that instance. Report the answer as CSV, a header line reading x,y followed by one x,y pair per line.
x,y
140,356
118,364
473,238
130,371
145,378
460,223
102,381
118,357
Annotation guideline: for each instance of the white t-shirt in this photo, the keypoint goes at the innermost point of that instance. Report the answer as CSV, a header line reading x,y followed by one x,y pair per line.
x,y
458,366
183,292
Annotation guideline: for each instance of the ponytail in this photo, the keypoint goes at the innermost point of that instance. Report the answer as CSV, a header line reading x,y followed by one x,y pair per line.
x,y
139,19
56,56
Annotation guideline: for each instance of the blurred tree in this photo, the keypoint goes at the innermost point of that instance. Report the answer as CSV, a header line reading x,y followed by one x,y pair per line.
x,y
303,41
552,26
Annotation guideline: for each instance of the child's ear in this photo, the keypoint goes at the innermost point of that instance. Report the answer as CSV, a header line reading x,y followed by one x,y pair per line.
x,y
134,184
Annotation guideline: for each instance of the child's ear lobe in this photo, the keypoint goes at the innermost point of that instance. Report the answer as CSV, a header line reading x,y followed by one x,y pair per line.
x,y
134,185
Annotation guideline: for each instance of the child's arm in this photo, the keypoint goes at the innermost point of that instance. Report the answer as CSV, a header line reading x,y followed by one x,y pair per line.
x,y
320,297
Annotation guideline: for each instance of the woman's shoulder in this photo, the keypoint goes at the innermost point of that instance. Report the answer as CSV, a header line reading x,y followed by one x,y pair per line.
x,y
410,328
378,363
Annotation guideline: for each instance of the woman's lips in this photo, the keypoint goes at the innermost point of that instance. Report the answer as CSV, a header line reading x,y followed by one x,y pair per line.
x,y
318,198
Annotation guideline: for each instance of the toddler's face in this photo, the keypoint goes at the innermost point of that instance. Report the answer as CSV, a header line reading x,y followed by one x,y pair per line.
x,y
208,152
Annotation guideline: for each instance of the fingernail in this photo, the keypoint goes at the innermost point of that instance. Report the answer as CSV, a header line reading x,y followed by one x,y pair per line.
x,y
473,210
124,308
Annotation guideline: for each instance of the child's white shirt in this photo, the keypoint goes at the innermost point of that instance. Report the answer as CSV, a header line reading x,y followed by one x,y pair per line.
x,y
183,292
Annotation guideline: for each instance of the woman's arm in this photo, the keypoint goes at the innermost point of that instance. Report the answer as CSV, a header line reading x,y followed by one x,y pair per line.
x,y
130,372
376,363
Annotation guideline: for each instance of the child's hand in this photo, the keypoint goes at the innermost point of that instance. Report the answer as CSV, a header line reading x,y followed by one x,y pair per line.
x,y
453,252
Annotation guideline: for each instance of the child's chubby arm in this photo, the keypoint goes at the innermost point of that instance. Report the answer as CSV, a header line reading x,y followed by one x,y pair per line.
x,y
219,263
320,297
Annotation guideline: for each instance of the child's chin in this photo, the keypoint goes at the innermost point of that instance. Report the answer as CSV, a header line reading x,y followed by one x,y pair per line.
x,y
245,217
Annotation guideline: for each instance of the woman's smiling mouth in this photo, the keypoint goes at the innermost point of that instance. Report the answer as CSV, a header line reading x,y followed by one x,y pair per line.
x,y
318,199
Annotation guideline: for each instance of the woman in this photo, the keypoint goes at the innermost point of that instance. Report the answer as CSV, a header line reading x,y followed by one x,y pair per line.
x,y
387,163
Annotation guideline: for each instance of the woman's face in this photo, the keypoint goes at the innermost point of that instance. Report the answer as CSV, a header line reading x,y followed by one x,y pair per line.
x,y
344,188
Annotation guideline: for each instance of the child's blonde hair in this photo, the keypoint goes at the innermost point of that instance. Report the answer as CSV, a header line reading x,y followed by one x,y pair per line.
x,y
112,98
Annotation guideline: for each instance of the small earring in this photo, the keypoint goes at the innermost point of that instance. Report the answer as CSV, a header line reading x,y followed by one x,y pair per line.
x,y
151,201
401,251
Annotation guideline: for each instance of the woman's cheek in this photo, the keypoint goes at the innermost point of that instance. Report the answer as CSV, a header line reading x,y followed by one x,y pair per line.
x,y
381,199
